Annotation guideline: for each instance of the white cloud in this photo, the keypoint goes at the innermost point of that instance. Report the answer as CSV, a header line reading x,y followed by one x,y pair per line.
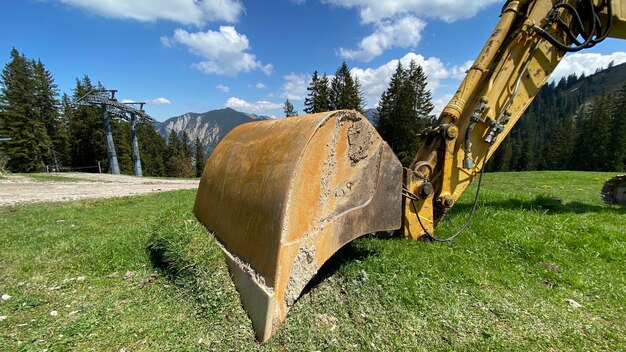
x,y
372,11
260,86
160,101
397,33
195,12
259,106
127,101
374,81
222,88
458,72
440,103
586,63
225,52
267,69
295,86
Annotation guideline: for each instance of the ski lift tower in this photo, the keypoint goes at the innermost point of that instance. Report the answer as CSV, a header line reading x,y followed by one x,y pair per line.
x,y
104,99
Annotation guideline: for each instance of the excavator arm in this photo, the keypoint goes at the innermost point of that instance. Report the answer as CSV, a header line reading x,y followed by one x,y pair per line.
x,y
525,47
282,196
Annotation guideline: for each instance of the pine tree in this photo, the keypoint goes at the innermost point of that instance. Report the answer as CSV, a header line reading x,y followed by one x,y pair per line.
x,y
61,141
47,110
345,91
200,157
388,110
501,161
153,148
86,131
591,150
186,145
423,98
404,111
561,145
29,147
601,147
317,99
617,154
288,109
123,148
178,161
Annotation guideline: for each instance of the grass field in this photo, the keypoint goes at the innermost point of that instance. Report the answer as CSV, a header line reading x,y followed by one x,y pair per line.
x,y
80,277
51,178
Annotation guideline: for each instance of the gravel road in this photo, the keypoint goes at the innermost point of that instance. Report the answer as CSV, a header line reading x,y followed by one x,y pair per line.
x,y
16,189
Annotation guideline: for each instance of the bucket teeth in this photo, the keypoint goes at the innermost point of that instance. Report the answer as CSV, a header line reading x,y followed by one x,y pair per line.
x,y
282,196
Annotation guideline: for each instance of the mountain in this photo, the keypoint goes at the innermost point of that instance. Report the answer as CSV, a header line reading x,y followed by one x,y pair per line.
x,y
210,126
370,115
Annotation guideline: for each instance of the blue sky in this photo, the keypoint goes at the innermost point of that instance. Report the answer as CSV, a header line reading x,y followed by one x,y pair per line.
x,y
193,56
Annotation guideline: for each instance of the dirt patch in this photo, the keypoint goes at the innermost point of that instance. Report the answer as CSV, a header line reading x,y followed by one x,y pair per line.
x,y
360,140
23,189
302,271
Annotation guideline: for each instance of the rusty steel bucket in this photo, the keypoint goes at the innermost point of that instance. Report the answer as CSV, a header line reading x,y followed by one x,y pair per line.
x,y
282,196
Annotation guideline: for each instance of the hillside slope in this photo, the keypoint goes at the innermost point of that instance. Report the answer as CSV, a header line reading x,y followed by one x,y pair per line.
x,y
566,120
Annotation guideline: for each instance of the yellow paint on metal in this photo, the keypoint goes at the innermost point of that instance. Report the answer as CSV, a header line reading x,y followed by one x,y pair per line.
x,y
282,196
509,72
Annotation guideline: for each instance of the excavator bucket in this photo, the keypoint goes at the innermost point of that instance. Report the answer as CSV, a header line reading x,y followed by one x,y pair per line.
x,y
282,196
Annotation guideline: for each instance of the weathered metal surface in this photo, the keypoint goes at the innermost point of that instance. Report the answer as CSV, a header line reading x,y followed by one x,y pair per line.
x,y
137,170
113,164
282,196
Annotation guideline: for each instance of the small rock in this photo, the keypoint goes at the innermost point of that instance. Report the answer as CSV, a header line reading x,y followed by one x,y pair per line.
x,y
573,303
153,277
113,275
122,349
325,319
54,313
129,274
22,325
200,340
149,280
80,278
6,297
3,317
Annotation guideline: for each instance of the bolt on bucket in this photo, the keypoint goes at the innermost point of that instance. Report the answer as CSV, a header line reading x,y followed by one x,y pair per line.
x,y
282,196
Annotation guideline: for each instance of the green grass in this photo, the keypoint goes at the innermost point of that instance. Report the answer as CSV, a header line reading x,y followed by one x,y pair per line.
x,y
52,178
538,238
56,178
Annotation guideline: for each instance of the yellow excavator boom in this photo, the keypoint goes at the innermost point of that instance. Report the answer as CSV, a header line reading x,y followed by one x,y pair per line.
x,y
282,196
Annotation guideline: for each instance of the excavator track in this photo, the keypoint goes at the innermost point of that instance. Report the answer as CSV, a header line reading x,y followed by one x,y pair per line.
x,y
614,191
